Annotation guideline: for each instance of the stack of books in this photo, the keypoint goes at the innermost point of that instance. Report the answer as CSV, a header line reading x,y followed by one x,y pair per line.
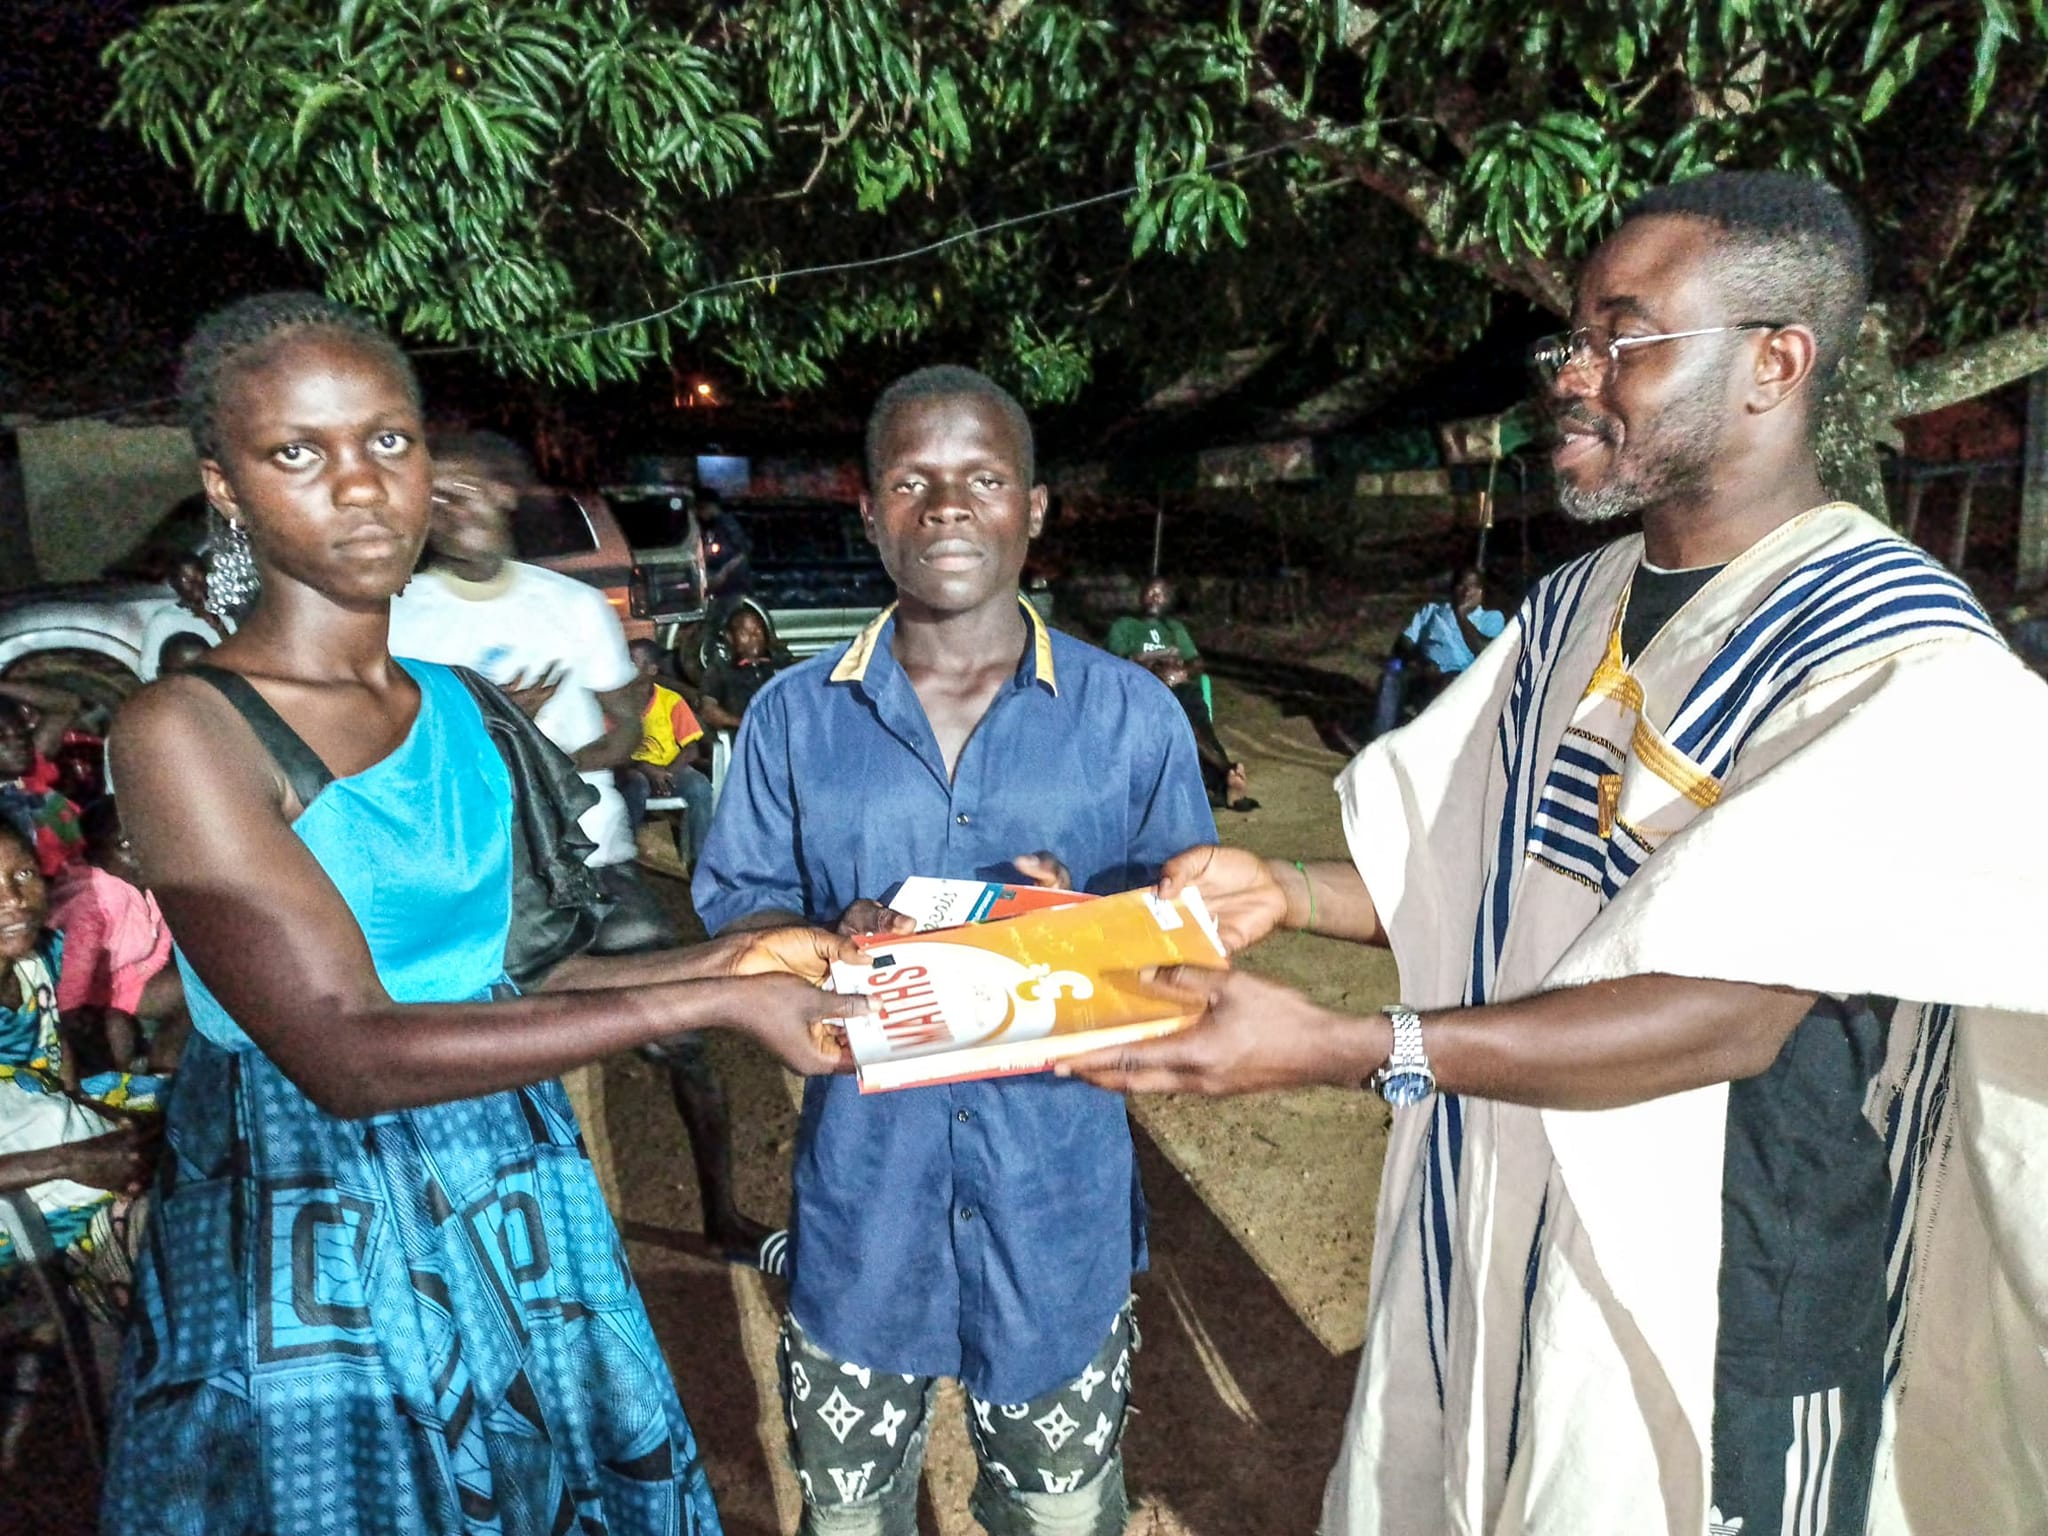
x,y
1002,980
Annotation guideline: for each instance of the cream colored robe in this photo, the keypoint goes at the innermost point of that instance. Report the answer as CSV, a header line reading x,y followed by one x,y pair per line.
x,y
1835,783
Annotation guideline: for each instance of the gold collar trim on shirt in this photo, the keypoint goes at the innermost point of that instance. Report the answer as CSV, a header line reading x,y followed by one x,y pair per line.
x,y
853,666
1612,680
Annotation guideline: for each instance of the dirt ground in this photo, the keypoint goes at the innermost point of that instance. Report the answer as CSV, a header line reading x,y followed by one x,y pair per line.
x,y
1261,1225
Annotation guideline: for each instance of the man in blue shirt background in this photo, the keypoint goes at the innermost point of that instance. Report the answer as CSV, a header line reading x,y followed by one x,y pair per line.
x,y
985,1231
1442,640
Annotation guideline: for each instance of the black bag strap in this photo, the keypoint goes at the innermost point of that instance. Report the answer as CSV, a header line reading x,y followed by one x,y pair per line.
x,y
299,763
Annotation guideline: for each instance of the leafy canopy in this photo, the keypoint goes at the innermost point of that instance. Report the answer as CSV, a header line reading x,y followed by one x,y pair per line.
x,y
582,187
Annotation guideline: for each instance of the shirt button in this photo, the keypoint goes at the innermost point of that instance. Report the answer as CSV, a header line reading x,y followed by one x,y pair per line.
x,y
963,1116
967,1213
962,819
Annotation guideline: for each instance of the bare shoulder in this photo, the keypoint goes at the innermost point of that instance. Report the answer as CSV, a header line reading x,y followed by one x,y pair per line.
x,y
166,712
178,725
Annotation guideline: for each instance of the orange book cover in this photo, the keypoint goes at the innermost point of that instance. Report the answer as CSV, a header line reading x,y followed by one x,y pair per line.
x,y
1002,998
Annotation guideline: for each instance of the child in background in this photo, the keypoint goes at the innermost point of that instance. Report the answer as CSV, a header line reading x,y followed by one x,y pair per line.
x,y
117,982
660,767
29,796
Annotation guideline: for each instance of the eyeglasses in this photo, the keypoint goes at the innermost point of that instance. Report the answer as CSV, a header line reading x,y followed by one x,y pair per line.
x,y
1552,355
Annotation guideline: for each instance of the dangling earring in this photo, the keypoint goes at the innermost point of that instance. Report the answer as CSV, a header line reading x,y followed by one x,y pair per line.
x,y
232,582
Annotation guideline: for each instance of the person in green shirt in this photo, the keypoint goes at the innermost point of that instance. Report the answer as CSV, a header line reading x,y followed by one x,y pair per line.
x,y
1161,644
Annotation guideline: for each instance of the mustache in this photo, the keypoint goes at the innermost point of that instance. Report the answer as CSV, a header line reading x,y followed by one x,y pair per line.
x,y
1578,417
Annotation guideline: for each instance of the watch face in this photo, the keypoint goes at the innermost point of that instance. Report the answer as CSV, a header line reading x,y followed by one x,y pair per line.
x,y
1402,1088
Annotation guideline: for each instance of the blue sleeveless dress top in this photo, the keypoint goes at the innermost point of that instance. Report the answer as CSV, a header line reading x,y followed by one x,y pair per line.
x,y
421,1322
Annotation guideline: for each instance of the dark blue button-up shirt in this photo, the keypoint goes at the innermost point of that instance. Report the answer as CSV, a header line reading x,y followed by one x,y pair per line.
x,y
988,1230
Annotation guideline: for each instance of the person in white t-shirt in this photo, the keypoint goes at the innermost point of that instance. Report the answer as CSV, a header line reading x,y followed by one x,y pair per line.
x,y
551,642
557,648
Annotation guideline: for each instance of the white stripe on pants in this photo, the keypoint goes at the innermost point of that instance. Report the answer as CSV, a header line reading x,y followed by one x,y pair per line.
x,y
1810,1462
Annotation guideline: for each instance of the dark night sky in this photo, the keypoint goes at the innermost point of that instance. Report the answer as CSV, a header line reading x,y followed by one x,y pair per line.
x,y
108,256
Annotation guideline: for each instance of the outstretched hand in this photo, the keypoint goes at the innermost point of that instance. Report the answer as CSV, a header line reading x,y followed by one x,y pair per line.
x,y
799,1022
1237,886
1252,1036
795,951
120,1161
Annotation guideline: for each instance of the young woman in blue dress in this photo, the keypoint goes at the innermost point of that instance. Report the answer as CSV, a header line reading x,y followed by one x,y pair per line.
x,y
381,1290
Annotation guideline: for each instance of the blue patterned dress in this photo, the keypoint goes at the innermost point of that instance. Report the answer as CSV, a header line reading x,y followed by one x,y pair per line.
x,y
421,1322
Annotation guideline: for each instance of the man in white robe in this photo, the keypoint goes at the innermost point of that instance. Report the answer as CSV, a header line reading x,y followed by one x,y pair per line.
x,y
1717,1200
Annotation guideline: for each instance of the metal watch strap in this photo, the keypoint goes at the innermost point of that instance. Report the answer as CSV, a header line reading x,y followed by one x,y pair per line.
x,y
1407,1054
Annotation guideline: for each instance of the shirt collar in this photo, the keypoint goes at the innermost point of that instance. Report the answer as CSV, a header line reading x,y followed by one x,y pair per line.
x,y
853,666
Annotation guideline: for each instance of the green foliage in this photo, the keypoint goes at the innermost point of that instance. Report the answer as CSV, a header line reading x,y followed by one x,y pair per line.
x,y
1528,127
589,188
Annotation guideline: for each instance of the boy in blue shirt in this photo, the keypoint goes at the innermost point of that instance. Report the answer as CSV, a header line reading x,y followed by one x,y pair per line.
x,y
985,1231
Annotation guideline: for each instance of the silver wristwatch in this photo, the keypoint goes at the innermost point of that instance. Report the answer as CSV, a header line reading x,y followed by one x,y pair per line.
x,y
1406,1078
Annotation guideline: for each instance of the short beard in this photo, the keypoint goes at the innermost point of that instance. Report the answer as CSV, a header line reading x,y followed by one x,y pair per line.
x,y
1675,463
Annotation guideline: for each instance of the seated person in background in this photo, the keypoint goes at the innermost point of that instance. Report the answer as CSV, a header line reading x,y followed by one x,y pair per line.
x,y
729,686
1440,642
186,614
118,993
30,800
661,767
75,1161
181,651
1161,644
670,734
551,642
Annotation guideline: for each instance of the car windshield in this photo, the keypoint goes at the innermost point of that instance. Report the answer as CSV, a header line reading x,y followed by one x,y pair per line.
x,y
809,555
651,519
547,524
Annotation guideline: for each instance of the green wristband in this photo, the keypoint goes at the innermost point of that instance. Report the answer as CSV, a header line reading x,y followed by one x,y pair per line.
x,y
1310,886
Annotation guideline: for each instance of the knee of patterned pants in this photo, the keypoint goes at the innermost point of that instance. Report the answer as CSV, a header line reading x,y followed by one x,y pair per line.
x,y
1053,1466
856,1437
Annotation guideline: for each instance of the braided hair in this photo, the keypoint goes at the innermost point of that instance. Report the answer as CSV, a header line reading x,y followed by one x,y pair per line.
x,y
243,333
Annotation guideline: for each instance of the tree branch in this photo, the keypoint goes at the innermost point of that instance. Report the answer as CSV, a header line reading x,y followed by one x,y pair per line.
x,y
1405,181
1958,171
829,142
1974,369
1005,15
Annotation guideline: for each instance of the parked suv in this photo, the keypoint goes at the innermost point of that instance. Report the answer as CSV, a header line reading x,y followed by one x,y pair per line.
x,y
659,523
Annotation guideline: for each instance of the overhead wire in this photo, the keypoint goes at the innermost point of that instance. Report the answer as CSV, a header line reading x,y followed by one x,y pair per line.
x,y
773,280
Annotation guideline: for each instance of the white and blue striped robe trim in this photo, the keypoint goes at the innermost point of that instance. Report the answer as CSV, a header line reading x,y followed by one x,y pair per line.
x,y
1878,591
1546,619
1565,834
1881,590
1911,1118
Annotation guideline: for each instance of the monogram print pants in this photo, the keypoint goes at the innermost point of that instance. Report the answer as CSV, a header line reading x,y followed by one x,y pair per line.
x,y
857,1437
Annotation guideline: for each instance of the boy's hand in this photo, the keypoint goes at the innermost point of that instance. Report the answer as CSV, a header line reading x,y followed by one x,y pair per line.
x,y
1043,870
866,916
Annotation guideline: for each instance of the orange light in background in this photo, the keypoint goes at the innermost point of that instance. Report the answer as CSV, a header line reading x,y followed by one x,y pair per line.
x,y
693,392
